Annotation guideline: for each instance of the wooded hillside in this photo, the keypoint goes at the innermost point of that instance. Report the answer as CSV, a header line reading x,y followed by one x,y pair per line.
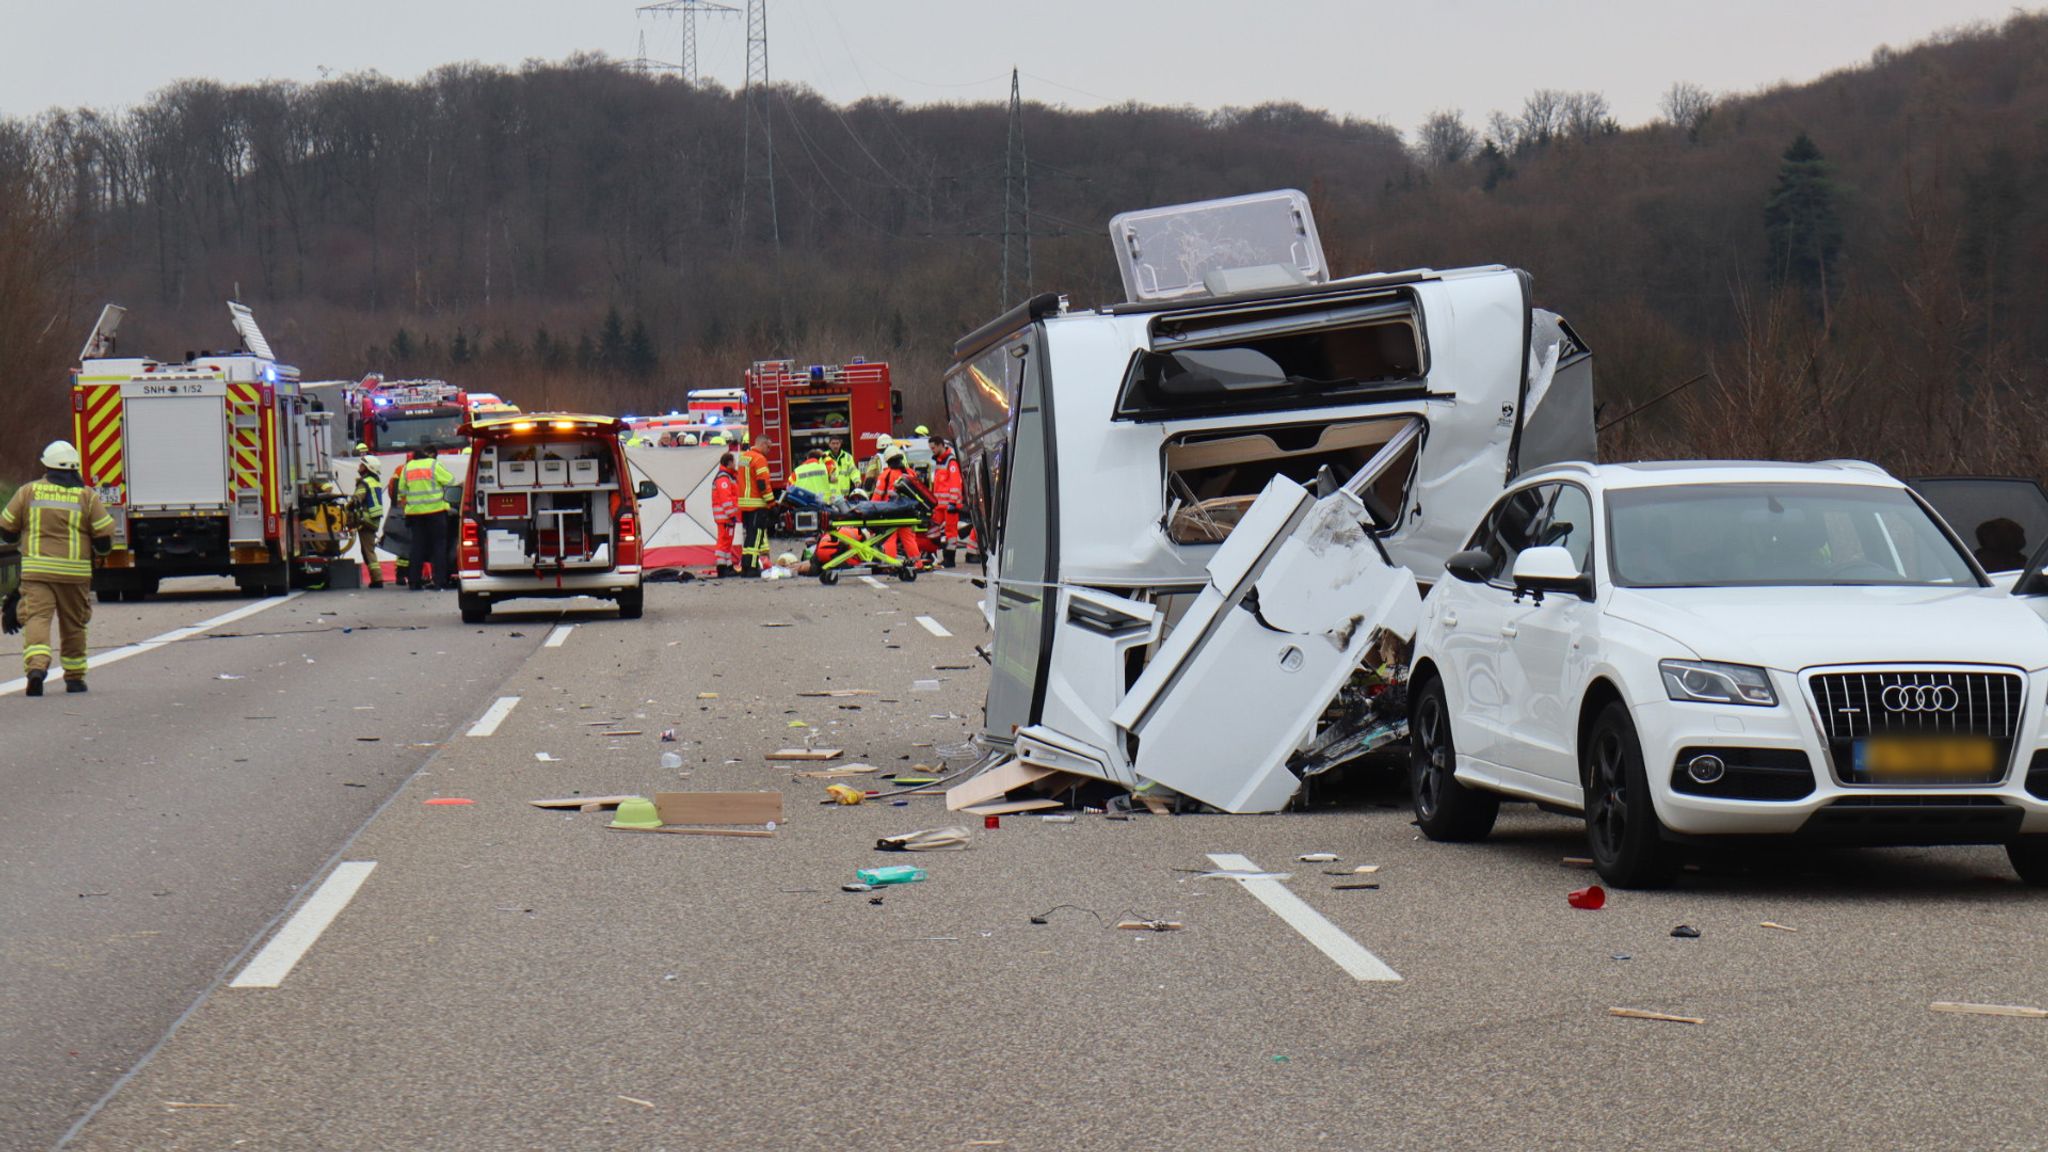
x,y
1852,266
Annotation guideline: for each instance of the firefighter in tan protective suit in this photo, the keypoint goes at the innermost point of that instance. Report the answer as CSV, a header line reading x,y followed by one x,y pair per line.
x,y
59,525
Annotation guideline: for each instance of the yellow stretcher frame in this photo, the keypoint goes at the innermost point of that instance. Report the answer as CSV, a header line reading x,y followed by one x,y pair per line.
x,y
869,551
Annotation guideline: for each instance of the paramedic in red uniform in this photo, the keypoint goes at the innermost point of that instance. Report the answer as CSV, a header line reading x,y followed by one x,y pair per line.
x,y
725,512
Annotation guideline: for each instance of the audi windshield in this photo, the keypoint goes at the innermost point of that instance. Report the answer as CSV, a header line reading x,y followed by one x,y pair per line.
x,y
1740,535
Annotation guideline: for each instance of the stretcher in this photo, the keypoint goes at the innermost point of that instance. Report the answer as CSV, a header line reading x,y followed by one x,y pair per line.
x,y
846,541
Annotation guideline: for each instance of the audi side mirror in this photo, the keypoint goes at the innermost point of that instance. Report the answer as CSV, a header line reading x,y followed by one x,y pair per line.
x,y
1471,565
1550,569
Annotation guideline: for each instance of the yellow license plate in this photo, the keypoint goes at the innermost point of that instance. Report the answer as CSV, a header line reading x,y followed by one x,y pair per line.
x,y
1926,759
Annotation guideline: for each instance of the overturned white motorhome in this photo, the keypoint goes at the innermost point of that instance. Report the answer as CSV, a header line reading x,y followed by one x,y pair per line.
x,y
1205,507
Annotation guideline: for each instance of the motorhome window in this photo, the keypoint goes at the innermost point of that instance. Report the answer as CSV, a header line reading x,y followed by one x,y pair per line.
x,y
1213,477
1272,370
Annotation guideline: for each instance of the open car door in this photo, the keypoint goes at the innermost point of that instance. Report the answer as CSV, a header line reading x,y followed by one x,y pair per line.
x,y
1297,596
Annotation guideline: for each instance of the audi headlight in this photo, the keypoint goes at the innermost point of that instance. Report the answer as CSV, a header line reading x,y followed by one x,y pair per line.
x,y
1706,682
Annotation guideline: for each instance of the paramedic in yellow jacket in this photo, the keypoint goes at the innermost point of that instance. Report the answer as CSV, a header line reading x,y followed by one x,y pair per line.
x,y
55,521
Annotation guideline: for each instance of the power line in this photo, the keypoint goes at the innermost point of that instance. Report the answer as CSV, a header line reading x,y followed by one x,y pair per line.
x,y
689,10
1016,203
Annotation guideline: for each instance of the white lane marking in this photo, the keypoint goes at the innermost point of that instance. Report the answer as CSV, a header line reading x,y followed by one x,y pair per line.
x,y
560,634
278,957
1349,954
934,627
494,716
871,582
156,642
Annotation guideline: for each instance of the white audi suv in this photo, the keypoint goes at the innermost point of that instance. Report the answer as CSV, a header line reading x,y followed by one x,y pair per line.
x,y
1709,651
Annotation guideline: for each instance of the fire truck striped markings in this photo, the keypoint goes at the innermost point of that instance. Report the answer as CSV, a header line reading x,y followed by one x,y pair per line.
x,y
292,941
934,627
1349,954
103,659
494,716
558,636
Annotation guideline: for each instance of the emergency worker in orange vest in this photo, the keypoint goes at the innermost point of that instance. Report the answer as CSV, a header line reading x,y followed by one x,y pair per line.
x,y
896,483
725,512
948,490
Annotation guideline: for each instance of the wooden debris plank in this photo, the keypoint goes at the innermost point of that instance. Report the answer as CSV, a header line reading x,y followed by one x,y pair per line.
x,y
995,784
718,807
838,773
583,802
841,692
806,754
757,833
1157,805
2019,1010
1666,1017
1006,807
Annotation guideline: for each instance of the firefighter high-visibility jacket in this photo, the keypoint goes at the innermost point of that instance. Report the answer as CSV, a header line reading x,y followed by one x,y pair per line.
x,y
845,471
946,484
60,526
368,498
423,487
725,496
754,492
814,477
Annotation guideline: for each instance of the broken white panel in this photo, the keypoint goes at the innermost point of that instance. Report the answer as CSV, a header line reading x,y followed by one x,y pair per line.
x,y
1292,608
1096,633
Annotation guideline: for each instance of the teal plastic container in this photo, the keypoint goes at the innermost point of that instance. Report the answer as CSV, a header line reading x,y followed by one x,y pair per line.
x,y
893,874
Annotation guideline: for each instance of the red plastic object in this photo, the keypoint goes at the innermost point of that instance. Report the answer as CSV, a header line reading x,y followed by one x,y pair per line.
x,y
991,821
1590,897
449,800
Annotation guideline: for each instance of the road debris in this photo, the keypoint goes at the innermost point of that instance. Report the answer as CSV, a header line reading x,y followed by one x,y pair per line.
x,y
1589,898
719,807
547,757
1666,1017
1318,858
1059,818
1685,932
1578,862
1151,925
806,754
1776,925
2019,1010
637,812
449,800
585,803
648,1104
1368,886
841,794
925,840
837,693
707,695
838,773
891,874
754,833
1005,808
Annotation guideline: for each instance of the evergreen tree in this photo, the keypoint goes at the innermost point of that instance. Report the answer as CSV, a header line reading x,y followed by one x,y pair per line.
x,y
586,353
1801,221
640,357
611,341
460,351
401,349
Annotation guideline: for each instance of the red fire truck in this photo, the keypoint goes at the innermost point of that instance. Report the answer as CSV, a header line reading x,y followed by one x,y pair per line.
x,y
402,415
792,410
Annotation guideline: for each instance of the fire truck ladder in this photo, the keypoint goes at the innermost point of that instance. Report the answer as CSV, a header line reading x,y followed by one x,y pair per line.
x,y
773,376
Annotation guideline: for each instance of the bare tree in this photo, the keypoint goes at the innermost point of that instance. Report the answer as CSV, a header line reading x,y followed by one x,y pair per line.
x,y
1586,115
1687,105
1503,131
1445,139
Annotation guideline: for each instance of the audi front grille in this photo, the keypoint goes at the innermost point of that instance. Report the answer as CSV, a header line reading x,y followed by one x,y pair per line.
x,y
1917,702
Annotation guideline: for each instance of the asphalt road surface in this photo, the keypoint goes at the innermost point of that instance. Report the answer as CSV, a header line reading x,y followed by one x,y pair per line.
x,y
508,978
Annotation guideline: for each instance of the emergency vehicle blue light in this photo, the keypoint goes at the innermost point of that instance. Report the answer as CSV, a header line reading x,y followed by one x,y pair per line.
x,y
383,401
270,373
818,373
713,418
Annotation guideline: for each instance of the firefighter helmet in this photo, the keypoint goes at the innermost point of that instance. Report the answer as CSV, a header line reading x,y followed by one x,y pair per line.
x,y
60,454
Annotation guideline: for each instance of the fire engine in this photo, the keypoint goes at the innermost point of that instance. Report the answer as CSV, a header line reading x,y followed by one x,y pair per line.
x,y
403,415
792,410
217,466
717,406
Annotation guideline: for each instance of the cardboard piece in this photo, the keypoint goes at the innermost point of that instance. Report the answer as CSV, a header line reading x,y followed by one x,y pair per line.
x,y
924,840
586,803
1006,807
719,807
995,784
806,754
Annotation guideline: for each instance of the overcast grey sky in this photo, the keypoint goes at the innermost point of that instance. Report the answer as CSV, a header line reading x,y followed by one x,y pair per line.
x,y
1393,61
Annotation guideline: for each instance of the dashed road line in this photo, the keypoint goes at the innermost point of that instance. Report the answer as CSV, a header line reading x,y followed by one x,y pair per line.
x,y
156,642
282,954
871,582
558,636
494,716
934,627
1349,954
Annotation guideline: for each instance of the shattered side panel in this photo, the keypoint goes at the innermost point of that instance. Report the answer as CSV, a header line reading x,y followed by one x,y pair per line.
x,y
1227,708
